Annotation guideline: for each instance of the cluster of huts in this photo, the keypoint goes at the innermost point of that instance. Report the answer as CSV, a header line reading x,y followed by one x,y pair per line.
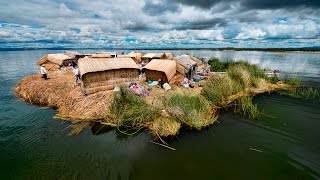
x,y
105,71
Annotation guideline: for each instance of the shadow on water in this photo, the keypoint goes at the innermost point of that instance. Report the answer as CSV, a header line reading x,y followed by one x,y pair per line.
x,y
125,134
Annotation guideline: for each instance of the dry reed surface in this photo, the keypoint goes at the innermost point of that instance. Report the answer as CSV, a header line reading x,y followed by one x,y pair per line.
x,y
60,92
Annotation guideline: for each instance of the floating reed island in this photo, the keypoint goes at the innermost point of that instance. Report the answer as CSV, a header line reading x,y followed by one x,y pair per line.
x,y
191,94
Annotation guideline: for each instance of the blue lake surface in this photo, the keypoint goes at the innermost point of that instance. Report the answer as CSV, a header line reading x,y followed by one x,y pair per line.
x,y
283,144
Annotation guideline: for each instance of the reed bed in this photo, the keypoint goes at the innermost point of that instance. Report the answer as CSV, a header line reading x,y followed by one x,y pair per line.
x,y
162,112
245,107
306,93
131,110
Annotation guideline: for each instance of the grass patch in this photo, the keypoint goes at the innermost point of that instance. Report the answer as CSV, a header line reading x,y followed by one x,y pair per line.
x,y
165,126
245,107
218,89
294,81
131,110
194,110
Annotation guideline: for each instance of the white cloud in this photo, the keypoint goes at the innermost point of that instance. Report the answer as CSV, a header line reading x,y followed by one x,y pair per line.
x,y
107,22
248,33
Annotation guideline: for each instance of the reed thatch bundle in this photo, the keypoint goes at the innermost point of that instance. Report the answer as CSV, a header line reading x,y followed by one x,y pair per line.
x,y
160,69
105,73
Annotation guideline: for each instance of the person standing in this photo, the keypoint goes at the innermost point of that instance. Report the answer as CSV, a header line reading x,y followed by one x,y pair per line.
x,y
44,72
76,74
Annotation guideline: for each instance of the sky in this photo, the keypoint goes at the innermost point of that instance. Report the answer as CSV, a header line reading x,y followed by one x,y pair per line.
x,y
159,23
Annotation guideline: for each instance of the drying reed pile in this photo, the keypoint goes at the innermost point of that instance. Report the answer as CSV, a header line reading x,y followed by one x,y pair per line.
x,y
61,93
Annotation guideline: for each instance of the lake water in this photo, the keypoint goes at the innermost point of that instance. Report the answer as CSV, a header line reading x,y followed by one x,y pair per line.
x,y
283,144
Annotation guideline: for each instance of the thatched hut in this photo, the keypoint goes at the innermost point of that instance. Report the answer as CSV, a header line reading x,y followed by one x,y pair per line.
x,y
100,74
54,61
149,56
188,64
163,69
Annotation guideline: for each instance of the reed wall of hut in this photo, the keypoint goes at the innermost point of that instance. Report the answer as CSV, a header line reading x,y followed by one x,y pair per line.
x,y
100,74
188,64
160,69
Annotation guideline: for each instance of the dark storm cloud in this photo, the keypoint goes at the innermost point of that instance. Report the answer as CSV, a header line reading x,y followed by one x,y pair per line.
x,y
268,4
158,8
204,4
201,24
135,26
252,4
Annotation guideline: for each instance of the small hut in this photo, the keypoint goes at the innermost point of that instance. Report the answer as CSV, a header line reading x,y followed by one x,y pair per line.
x,y
149,56
54,61
163,69
100,74
188,64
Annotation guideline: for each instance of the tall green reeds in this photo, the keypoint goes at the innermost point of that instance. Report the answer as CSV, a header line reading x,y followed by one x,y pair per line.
x,y
217,65
245,107
306,93
293,81
274,79
130,109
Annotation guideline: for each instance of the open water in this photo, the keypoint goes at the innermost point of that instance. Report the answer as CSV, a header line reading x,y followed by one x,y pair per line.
x,y
283,144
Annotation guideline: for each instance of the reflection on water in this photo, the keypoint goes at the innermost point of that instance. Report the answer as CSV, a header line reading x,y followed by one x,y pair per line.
x,y
33,145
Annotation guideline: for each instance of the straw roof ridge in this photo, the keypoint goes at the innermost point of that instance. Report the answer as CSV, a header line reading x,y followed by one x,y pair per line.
x,y
87,65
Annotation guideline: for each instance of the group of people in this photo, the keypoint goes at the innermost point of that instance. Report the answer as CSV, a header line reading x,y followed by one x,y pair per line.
x,y
75,71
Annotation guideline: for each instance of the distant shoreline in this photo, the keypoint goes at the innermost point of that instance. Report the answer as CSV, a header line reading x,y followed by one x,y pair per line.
x,y
306,49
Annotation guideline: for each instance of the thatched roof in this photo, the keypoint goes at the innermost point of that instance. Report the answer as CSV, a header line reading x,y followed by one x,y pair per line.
x,y
101,56
87,65
185,61
169,67
153,55
53,58
72,53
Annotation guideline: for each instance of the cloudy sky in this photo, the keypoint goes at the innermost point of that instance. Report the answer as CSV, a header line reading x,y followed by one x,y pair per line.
x,y
159,23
